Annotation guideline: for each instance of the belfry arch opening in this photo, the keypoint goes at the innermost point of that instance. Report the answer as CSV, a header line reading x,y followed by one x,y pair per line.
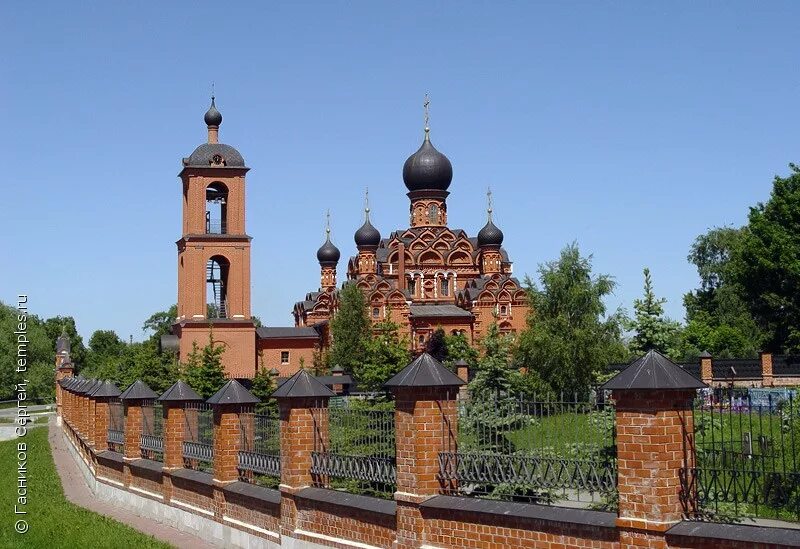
x,y
216,208
217,270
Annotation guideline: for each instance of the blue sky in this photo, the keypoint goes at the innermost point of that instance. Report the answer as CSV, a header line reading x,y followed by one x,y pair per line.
x,y
628,127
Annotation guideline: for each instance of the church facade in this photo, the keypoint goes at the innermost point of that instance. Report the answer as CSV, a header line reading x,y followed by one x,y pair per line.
x,y
423,277
428,275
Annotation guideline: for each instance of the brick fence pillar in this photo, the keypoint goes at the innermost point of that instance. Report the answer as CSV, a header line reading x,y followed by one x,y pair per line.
x,y
425,416
64,371
298,398
90,419
102,395
706,368
767,379
174,401
654,442
229,403
133,398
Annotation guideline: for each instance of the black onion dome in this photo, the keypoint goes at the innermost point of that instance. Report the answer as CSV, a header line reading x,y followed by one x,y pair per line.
x,y
427,169
328,254
490,235
367,235
213,117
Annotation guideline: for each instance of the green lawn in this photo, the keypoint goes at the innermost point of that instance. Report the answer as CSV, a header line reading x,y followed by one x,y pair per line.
x,y
53,521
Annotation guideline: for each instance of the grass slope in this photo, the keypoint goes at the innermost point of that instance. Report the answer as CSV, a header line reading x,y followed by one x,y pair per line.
x,y
54,522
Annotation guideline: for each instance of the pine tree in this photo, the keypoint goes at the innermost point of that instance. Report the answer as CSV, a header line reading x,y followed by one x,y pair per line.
x,y
203,369
493,379
350,330
437,346
653,330
263,387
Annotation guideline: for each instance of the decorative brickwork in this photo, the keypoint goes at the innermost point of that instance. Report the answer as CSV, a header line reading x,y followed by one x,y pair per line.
x,y
654,430
425,424
346,523
227,442
456,528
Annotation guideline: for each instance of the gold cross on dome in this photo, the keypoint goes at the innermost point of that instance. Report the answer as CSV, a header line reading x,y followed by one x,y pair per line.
x,y
427,112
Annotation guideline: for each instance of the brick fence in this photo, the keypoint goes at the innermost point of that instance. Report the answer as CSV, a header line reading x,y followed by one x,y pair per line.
x,y
654,441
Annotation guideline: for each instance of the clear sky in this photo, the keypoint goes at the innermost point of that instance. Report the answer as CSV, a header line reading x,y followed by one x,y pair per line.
x,y
629,127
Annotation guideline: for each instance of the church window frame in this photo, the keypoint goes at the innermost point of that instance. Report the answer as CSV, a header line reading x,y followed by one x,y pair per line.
x,y
285,357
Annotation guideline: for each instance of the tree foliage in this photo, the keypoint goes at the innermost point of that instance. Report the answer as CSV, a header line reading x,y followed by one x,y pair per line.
x,y
768,264
387,354
653,331
569,339
458,348
38,355
350,330
718,319
437,345
58,325
203,369
262,388
493,376
159,323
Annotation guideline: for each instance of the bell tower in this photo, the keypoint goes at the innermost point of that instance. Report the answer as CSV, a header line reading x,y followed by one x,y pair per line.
x,y
214,253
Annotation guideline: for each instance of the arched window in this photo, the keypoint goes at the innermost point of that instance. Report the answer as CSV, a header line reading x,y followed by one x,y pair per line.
x,y
216,208
433,214
217,270
444,287
376,312
422,340
503,310
412,286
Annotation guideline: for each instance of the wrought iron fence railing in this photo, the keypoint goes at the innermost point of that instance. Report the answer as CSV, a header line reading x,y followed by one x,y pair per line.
x,y
151,442
198,444
746,460
541,451
116,426
358,453
259,459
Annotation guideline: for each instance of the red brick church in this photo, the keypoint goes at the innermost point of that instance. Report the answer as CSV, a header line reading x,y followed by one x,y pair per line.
x,y
427,275
423,277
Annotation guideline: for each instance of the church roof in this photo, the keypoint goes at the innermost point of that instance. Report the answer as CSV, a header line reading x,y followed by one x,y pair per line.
x,y
203,157
438,311
287,333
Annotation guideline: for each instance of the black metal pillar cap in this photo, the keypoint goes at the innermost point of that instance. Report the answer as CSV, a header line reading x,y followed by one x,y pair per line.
x,y
653,371
233,392
138,390
179,392
302,384
107,389
424,371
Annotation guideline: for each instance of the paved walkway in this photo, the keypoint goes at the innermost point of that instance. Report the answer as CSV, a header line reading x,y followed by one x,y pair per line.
x,y
76,491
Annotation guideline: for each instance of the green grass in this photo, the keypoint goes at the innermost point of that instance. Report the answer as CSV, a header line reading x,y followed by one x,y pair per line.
x,y
13,420
53,521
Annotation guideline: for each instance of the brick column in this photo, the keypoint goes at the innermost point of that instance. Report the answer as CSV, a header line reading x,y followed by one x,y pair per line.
x,y
426,413
90,433
231,401
654,442
133,398
174,401
63,373
297,398
767,379
102,395
706,369
133,428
